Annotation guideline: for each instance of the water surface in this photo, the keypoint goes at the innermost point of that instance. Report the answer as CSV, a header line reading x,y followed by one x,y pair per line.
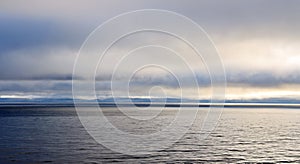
x,y
38,135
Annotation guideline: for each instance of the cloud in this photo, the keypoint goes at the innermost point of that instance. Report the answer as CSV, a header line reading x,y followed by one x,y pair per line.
x,y
257,40
42,63
36,88
263,79
28,33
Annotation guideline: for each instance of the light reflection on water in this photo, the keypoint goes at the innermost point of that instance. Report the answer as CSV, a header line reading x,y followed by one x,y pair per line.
x,y
35,135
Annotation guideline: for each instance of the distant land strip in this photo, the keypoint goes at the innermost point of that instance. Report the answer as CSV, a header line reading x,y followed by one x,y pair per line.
x,y
192,105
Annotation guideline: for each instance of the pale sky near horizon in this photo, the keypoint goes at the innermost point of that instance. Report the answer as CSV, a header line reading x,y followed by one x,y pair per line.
x,y
258,42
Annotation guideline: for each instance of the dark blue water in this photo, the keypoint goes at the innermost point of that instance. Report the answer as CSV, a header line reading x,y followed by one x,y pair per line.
x,y
45,135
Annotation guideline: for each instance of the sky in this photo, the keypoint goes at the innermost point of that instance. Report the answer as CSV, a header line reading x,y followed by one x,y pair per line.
x,y
258,42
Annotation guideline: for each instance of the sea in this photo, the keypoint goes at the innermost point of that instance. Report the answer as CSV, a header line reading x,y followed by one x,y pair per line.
x,y
55,135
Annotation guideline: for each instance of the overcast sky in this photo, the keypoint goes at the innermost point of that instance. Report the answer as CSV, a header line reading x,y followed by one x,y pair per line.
x,y
258,41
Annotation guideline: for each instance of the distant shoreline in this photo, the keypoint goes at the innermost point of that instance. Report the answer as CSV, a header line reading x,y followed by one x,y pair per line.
x,y
192,105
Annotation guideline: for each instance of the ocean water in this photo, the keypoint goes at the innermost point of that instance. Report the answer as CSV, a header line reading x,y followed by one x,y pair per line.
x,y
45,135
